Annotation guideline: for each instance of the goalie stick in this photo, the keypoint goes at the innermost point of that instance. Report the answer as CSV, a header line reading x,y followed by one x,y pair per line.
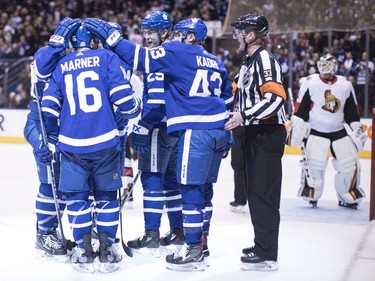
x,y
51,174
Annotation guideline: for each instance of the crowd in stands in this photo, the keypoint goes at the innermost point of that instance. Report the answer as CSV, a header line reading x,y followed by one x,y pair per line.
x,y
26,25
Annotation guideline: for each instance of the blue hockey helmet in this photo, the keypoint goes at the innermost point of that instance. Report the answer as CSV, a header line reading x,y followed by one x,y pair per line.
x,y
82,38
192,25
157,20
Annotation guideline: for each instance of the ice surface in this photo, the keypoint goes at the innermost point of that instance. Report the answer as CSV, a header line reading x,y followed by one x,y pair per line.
x,y
327,243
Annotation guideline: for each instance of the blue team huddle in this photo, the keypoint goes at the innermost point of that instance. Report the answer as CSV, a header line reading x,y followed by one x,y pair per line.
x,y
83,100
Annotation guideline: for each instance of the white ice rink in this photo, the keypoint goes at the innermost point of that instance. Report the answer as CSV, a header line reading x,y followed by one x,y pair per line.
x,y
327,243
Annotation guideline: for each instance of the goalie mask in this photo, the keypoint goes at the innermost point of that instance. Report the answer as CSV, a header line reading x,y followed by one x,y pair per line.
x,y
327,64
193,25
82,38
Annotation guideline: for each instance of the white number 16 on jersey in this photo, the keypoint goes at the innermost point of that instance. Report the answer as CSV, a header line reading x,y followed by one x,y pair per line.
x,y
83,92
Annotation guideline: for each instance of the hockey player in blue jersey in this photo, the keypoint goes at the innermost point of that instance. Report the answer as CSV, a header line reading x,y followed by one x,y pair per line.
x,y
197,95
83,89
157,152
48,242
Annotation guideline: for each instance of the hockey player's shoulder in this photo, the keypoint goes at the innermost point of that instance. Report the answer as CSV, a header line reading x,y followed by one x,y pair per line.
x,y
342,79
312,78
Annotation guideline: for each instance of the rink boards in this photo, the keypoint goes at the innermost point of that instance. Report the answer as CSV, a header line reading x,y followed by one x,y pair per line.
x,y
12,122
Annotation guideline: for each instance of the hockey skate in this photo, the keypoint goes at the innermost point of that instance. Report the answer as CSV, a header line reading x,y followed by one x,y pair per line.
x,y
50,247
313,203
148,244
83,256
251,262
348,205
173,240
109,256
237,208
190,258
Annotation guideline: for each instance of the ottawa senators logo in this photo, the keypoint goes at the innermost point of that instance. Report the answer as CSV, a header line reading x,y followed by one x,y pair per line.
x,y
332,104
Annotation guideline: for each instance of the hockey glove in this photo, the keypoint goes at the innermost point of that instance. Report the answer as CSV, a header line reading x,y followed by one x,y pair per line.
x,y
228,146
121,120
52,143
64,31
300,130
106,32
43,154
356,134
134,110
141,138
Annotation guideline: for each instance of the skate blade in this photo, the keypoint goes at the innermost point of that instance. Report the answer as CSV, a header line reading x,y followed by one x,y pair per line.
x,y
170,249
40,254
84,267
260,266
147,252
238,209
353,206
206,262
109,267
193,266
313,203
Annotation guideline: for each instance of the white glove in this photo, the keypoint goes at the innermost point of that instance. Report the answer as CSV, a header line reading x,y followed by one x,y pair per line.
x,y
300,130
356,134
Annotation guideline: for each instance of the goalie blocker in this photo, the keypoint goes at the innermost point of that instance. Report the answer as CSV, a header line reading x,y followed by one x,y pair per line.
x,y
300,130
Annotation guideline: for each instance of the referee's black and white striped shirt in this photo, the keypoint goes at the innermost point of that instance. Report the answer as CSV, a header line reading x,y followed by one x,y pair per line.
x,y
260,91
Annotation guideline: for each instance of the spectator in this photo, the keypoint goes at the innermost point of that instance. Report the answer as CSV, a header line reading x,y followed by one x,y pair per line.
x,y
365,70
349,66
3,99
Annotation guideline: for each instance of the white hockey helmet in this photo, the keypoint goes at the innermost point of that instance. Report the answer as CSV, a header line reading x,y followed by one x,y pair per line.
x,y
327,64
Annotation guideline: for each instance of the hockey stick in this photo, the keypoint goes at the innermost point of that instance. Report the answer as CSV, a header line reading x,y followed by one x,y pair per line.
x,y
51,174
122,201
125,198
124,246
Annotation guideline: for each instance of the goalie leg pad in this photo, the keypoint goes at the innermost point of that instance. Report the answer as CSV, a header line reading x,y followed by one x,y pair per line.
x,y
316,163
348,170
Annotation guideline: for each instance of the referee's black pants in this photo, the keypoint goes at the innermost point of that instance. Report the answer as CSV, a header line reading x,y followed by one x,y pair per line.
x,y
237,163
264,148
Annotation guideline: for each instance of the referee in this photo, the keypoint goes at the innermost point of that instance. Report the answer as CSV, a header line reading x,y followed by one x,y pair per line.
x,y
261,99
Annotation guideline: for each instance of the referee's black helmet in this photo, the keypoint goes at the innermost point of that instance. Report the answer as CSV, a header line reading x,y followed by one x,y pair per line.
x,y
252,22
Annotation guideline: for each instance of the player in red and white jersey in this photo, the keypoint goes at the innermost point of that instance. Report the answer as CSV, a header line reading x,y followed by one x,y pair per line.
x,y
326,119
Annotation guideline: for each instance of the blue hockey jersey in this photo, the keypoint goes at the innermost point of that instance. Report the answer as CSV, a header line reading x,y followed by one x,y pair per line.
x,y
45,60
81,93
153,110
197,85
